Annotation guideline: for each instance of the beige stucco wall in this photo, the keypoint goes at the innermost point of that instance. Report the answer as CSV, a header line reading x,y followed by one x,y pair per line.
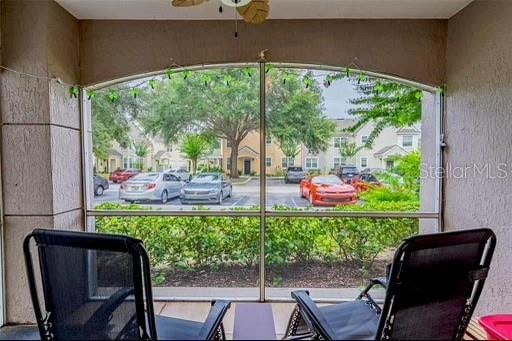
x,y
478,132
41,163
412,49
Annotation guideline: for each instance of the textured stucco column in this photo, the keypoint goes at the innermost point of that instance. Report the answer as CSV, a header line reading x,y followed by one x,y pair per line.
x,y
479,136
41,159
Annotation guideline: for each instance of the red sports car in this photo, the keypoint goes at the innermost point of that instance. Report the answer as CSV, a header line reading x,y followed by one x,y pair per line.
x,y
122,175
327,190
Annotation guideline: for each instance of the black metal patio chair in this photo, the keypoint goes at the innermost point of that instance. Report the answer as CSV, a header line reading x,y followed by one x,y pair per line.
x,y
431,292
98,287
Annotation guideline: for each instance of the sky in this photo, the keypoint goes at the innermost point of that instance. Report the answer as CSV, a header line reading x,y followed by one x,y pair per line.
x,y
337,96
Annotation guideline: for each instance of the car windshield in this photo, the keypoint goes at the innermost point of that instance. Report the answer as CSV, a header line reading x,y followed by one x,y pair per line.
x,y
349,170
294,169
327,180
206,178
146,177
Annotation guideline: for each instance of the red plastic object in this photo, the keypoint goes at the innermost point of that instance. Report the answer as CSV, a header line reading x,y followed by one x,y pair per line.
x,y
498,327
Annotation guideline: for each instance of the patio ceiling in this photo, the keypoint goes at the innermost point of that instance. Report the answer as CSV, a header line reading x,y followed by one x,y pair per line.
x,y
280,9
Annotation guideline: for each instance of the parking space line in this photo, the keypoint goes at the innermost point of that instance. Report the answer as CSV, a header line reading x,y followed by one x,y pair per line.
x,y
294,203
236,202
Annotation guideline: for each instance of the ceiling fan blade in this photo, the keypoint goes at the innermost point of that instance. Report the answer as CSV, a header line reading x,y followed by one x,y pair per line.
x,y
255,12
186,3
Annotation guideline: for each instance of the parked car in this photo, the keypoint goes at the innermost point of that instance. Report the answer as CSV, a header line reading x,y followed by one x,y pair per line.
x,y
122,175
364,181
206,188
346,173
327,190
151,187
294,174
100,185
181,173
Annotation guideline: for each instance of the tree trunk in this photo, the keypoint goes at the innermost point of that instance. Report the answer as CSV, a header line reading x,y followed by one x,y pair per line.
x,y
234,159
194,166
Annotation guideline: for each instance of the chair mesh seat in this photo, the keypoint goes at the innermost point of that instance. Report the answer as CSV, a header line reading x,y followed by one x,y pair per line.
x,y
352,320
170,328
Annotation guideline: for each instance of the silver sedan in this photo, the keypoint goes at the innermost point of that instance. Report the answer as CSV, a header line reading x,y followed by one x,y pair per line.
x,y
206,188
151,187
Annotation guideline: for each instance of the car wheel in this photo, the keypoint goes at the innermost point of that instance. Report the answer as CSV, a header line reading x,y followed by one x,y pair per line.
x,y
164,197
220,198
311,198
99,190
190,177
230,191
129,201
301,194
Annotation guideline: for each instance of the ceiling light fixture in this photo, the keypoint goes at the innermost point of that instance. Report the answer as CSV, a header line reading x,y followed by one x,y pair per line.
x,y
235,3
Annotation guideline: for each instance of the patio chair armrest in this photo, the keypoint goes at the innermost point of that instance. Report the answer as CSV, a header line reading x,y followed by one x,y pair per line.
x,y
110,305
214,319
312,315
382,281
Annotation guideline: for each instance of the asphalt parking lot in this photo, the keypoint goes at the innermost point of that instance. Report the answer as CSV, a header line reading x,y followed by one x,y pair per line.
x,y
244,196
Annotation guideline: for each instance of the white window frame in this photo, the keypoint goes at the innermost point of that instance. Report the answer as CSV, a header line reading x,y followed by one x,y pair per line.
x,y
339,140
364,139
287,162
403,141
268,161
310,162
268,140
342,161
365,158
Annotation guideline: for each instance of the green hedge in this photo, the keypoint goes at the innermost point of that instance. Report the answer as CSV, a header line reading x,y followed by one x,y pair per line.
x,y
192,242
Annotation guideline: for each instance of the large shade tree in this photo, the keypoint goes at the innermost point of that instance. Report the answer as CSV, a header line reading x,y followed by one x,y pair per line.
x,y
111,113
224,103
295,112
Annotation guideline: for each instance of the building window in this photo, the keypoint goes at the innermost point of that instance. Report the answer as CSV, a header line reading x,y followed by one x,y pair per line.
x,y
268,162
364,162
288,162
338,161
268,140
228,144
407,141
390,164
169,149
128,162
364,139
312,163
339,141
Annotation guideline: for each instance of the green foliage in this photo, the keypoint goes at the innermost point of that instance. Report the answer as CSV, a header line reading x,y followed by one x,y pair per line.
x,y
409,168
222,103
209,168
349,149
295,112
194,242
110,120
385,104
194,147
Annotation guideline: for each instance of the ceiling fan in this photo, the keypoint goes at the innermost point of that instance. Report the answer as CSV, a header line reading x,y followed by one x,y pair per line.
x,y
253,11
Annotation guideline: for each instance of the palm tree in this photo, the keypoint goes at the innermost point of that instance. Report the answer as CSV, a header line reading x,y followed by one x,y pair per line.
x,y
195,146
141,150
